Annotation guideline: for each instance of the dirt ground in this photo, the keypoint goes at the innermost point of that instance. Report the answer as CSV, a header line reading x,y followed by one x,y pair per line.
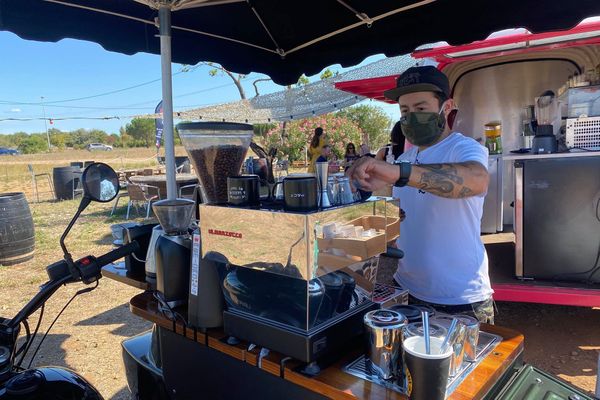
x,y
564,341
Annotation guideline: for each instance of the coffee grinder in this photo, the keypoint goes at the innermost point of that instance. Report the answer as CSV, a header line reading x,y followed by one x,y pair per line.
x,y
547,111
173,247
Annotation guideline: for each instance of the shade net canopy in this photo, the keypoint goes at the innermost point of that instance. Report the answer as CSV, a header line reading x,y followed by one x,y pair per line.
x,y
316,98
284,39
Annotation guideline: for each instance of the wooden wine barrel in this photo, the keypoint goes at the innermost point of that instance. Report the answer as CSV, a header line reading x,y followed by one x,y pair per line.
x,y
17,238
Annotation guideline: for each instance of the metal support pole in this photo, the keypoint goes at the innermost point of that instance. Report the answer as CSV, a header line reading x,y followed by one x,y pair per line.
x,y
45,123
164,20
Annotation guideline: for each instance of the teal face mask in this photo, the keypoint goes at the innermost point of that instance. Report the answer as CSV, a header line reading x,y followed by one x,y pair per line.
x,y
423,128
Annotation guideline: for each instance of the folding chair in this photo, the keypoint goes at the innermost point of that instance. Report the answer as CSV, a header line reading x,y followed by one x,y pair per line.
x,y
77,185
141,193
34,177
123,180
188,191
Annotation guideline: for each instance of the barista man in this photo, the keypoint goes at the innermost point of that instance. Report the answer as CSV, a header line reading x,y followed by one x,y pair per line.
x,y
441,183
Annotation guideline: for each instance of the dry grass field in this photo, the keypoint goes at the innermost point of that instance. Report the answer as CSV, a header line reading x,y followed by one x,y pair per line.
x,y
16,177
560,340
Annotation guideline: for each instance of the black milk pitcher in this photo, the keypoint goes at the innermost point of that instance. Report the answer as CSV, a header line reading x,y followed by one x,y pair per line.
x,y
300,193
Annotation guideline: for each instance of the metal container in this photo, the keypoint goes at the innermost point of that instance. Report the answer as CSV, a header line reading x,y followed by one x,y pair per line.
x,y
344,194
174,216
457,340
416,329
383,333
471,335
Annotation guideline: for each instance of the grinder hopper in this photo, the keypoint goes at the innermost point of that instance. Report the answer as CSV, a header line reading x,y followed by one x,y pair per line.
x,y
217,151
174,215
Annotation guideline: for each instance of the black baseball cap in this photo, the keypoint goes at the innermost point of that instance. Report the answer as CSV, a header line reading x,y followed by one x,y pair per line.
x,y
419,79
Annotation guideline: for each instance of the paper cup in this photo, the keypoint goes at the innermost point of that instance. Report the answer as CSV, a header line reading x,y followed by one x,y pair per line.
x,y
426,375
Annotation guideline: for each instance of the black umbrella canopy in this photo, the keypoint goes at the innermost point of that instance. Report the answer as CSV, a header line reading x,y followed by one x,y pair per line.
x,y
284,38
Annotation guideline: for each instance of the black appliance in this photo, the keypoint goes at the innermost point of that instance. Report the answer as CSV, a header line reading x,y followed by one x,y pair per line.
x,y
173,248
293,316
136,262
205,303
557,218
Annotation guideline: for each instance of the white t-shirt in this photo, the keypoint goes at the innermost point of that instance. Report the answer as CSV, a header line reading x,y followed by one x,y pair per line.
x,y
444,258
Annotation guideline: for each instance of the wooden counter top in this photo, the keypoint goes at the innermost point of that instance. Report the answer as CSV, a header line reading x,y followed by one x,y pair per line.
x,y
332,381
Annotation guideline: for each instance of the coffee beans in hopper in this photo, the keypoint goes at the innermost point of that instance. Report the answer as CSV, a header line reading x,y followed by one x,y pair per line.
x,y
213,165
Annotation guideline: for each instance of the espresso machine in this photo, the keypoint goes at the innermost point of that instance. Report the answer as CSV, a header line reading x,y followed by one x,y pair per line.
x,y
173,249
296,282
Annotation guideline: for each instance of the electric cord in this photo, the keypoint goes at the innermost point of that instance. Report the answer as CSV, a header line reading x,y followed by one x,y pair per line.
x,y
30,341
167,311
27,338
79,292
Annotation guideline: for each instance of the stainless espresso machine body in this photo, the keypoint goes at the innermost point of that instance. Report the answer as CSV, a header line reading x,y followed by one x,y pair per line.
x,y
289,286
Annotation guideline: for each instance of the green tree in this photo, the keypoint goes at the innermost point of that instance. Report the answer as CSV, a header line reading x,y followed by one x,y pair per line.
x,y
33,144
142,131
58,138
340,131
373,122
18,137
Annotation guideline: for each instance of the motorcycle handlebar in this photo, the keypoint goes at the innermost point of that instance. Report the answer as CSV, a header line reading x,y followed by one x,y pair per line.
x,y
89,269
117,253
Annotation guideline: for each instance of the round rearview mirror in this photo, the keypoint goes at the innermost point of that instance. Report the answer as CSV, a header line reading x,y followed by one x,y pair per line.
x,y
100,182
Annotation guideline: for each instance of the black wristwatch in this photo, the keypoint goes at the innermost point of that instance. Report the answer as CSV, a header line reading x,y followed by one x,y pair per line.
x,y
405,168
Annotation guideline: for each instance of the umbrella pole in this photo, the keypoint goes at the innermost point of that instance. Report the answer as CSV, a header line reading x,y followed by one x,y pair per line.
x,y
164,18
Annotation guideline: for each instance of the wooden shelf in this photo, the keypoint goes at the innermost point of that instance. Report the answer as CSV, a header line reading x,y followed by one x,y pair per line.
x,y
332,381
118,272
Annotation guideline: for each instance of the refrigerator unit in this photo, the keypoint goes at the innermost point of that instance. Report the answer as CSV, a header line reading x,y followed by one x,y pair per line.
x,y
557,218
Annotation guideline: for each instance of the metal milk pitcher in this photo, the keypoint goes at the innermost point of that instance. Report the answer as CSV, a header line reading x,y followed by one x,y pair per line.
x,y
383,333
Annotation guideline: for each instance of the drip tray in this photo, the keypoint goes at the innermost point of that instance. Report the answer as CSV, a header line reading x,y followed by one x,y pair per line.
x,y
487,343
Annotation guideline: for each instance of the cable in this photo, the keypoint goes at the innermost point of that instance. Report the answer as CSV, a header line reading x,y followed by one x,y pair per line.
x,y
81,291
27,338
88,97
167,311
30,342
52,103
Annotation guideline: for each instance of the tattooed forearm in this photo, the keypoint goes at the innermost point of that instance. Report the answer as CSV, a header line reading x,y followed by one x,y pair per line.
x,y
457,180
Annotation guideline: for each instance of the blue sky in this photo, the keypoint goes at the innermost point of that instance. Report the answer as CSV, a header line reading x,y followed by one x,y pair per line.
x,y
73,69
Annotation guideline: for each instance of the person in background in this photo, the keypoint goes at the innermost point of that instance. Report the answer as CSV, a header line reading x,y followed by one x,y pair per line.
x,y
396,145
365,150
350,155
317,142
441,182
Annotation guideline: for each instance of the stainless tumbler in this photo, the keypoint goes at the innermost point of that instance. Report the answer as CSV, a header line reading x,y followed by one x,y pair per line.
x,y
457,340
383,333
471,335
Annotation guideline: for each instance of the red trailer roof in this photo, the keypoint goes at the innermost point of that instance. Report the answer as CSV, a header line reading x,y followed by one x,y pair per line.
x,y
585,33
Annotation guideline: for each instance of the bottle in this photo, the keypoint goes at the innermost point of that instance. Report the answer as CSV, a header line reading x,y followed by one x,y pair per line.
x,y
493,137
